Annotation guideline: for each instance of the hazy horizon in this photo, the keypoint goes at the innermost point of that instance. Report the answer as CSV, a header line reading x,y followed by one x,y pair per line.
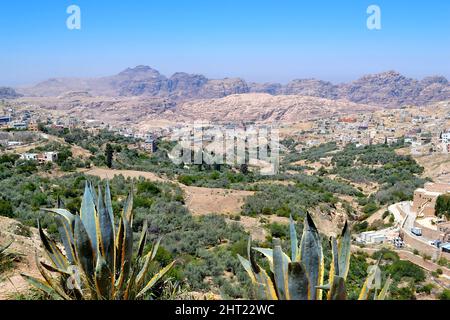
x,y
259,41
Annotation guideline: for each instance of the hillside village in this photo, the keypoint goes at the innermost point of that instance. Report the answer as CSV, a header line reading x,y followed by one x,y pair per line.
x,y
410,228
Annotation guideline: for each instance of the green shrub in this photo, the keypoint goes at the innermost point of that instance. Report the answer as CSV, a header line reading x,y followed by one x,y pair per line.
x,y
405,269
445,295
427,288
6,209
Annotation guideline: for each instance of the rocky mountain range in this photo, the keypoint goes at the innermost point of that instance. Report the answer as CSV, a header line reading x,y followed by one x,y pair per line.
x,y
388,89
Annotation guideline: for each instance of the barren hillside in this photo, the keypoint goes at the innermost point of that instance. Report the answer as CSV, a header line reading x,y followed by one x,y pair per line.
x,y
263,107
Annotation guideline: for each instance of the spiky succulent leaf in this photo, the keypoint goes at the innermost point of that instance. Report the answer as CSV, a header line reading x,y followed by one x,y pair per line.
x,y
384,292
311,256
108,203
294,241
103,279
105,236
268,253
280,267
52,250
298,283
65,231
265,287
344,248
88,214
85,251
338,290
42,285
248,267
155,279
50,281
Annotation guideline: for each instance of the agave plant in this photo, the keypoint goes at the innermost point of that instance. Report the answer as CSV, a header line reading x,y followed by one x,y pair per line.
x,y
301,276
98,263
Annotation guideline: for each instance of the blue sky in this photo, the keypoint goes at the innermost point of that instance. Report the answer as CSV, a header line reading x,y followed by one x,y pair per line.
x,y
263,40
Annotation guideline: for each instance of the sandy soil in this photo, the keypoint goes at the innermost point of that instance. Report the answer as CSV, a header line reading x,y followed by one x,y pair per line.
x,y
202,201
11,282
437,167
199,201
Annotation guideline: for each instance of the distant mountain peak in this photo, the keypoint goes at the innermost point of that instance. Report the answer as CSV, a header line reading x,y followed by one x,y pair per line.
x,y
140,70
389,88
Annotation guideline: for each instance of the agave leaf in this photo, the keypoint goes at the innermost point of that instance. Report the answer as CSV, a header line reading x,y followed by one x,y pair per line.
x,y
54,269
299,288
131,290
144,270
311,256
108,204
385,290
265,287
119,243
295,257
280,266
103,277
125,253
52,250
94,194
326,287
155,248
148,258
334,265
41,285
88,214
251,256
50,281
128,209
366,289
364,294
66,234
105,235
63,213
248,267
344,247
85,251
268,253
142,240
338,290
155,279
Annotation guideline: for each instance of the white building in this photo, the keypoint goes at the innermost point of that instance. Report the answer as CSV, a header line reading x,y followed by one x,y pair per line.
x,y
40,157
373,237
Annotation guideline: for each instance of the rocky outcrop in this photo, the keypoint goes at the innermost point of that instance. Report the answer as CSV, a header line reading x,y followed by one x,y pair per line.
x,y
184,85
223,88
387,89
311,87
270,88
262,107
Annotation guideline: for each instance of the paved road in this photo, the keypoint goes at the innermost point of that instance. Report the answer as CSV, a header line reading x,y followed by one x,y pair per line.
x,y
405,218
